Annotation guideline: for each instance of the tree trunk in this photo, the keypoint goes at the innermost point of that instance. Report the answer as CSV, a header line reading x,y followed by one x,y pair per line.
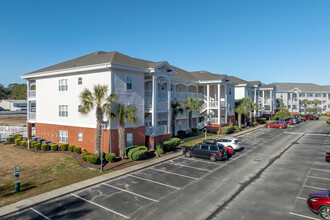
x,y
173,125
98,132
190,119
305,109
239,120
121,136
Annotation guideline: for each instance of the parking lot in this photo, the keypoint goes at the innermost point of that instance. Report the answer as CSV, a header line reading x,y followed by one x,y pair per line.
x,y
169,189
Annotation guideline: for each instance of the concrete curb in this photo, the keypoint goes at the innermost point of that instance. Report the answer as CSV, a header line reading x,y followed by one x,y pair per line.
x,y
26,203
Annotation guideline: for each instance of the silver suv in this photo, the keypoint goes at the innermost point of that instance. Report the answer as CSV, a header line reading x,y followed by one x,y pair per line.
x,y
230,142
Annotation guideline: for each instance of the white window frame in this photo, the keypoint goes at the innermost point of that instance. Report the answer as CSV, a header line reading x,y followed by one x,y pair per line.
x,y
126,80
63,85
63,136
63,111
80,81
80,136
127,143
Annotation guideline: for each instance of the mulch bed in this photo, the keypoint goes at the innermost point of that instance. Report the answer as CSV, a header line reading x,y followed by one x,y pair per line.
x,y
117,165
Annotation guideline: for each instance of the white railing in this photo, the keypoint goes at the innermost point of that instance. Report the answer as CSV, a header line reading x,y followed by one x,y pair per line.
x,y
13,130
180,95
201,124
32,116
203,107
162,105
162,129
213,103
32,93
161,95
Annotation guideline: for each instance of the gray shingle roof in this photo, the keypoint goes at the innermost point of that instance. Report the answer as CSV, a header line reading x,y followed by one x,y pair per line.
x,y
237,80
205,75
305,87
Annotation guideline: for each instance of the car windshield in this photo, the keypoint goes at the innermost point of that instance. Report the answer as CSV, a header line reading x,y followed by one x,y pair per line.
x,y
236,141
282,122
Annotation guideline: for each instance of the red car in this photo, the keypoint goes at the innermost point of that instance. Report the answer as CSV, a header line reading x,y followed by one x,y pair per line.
x,y
319,203
276,124
230,151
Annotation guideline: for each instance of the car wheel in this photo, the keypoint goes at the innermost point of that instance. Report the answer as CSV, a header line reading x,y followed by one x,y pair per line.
x,y
213,158
268,126
188,154
325,212
281,127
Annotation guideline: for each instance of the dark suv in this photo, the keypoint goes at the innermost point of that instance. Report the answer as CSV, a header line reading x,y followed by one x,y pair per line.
x,y
210,151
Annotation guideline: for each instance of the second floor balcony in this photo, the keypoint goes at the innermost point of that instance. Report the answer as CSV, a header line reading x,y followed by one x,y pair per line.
x,y
163,95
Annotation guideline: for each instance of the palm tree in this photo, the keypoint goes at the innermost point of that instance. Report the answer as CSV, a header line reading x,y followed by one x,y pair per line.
x,y
316,102
191,104
240,110
254,107
123,114
176,109
99,99
248,103
305,102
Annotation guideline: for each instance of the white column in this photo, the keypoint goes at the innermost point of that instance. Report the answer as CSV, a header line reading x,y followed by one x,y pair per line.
x,y
187,113
291,102
169,116
226,103
208,100
255,101
154,104
174,91
219,104
28,99
197,99
271,102
263,100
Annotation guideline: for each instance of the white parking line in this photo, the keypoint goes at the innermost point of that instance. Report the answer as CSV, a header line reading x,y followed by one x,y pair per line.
x,y
289,132
320,170
189,166
301,198
321,163
317,134
320,178
152,181
304,216
39,213
124,190
117,213
174,173
199,160
313,187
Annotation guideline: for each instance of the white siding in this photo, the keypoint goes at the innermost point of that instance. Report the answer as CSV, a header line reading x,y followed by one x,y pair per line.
x,y
239,93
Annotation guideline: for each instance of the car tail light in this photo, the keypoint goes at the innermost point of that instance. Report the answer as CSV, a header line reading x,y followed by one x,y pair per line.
x,y
220,153
328,155
235,143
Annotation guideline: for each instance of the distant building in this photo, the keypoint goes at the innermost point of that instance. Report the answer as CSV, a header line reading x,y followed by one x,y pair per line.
x,y
13,105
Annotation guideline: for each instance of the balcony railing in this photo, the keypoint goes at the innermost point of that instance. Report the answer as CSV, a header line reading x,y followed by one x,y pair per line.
x,y
163,95
161,129
215,120
32,116
32,93
161,105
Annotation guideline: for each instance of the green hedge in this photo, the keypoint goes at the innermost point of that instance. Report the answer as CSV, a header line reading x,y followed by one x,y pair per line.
x,y
160,150
37,146
17,142
328,121
23,143
64,147
137,148
171,144
10,139
127,149
227,129
44,147
33,144
77,150
140,154
54,147
237,128
18,136
255,123
71,148
84,155
93,158
110,157
262,120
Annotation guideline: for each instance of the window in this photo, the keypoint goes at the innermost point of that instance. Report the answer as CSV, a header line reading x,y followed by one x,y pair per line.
x,y
63,85
205,147
229,91
63,110
324,95
80,136
197,147
79,80
318,95
63,136
214,148
129,82
129,140
309,94
302,95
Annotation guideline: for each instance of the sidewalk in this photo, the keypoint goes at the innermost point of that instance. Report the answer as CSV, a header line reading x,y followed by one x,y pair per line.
x,y
26,203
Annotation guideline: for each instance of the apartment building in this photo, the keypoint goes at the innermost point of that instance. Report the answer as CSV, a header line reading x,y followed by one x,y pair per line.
x,y
53,103
262,95
292,94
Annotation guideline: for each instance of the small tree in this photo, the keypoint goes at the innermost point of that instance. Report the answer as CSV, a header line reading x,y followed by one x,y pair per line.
x,y
305,102
99,99
240,110
191,104
123,114
176,109
283,113
316,102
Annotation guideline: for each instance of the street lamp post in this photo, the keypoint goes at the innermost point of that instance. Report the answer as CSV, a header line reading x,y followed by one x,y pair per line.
x,y
101,168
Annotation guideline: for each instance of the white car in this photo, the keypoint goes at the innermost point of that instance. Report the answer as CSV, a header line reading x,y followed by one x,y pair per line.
x,y
230,142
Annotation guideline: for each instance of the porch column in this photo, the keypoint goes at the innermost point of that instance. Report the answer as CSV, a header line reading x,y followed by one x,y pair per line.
x,y
198,100
255,101
169,105
154,104
28,100
208,100
291,102
271,102
187,113
174,91
263,101
219,104
226,103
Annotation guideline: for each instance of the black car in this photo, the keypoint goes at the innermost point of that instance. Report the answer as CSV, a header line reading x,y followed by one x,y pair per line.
x,y
209,151
327,156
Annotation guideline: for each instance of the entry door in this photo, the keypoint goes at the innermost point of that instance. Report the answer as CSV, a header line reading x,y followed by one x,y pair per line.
x,y
129,140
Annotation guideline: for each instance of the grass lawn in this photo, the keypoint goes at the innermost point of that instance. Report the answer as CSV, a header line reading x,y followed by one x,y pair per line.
x,y
39,173
191,141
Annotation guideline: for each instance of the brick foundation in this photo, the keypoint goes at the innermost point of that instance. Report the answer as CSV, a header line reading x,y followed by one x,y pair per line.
x,y
327,113
157,140
50,132
29,130
213,128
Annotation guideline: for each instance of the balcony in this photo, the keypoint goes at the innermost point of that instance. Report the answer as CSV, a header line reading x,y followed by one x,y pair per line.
x,y
215,120
161,105
32,93
163,95
32,116
161,129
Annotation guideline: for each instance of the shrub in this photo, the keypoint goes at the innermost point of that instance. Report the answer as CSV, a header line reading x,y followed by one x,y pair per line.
x,y
37,146
139,154
23,143
127,149
71,148
237,128
171,144
54,147
16,136
194,131
33,144
44,147
254,123
93,158
228,129
262,120
328,121
182,134
160,150
110,157
10,139
17,142
84,155
77,150
137,148
64,147
218,132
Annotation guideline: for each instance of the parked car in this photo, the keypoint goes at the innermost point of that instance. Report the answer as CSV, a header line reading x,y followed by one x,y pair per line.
x,y
327,156
230,150
311,117
299,119
319,203
211,151
276,124
291,120
230,142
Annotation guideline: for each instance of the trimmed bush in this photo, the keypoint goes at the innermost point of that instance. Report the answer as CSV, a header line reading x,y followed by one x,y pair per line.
x,y
127,149
84,155
262,120
18,136
17,142
171,144
37,146
182,134
93,158
44,147
194,131
64,147
328,121
237,128
77,150
110,157
137,148
23,143
254,123
139,154
228,129
71,148
54,147
33,144
160,150
10,139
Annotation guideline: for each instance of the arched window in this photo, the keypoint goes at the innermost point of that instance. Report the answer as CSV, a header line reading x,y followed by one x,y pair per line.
x,y
80,81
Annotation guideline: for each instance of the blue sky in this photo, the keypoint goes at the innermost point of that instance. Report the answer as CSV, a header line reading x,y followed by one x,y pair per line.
x,y
266,40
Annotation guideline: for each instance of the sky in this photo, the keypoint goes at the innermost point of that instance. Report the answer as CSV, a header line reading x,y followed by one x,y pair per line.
x,y
265,40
